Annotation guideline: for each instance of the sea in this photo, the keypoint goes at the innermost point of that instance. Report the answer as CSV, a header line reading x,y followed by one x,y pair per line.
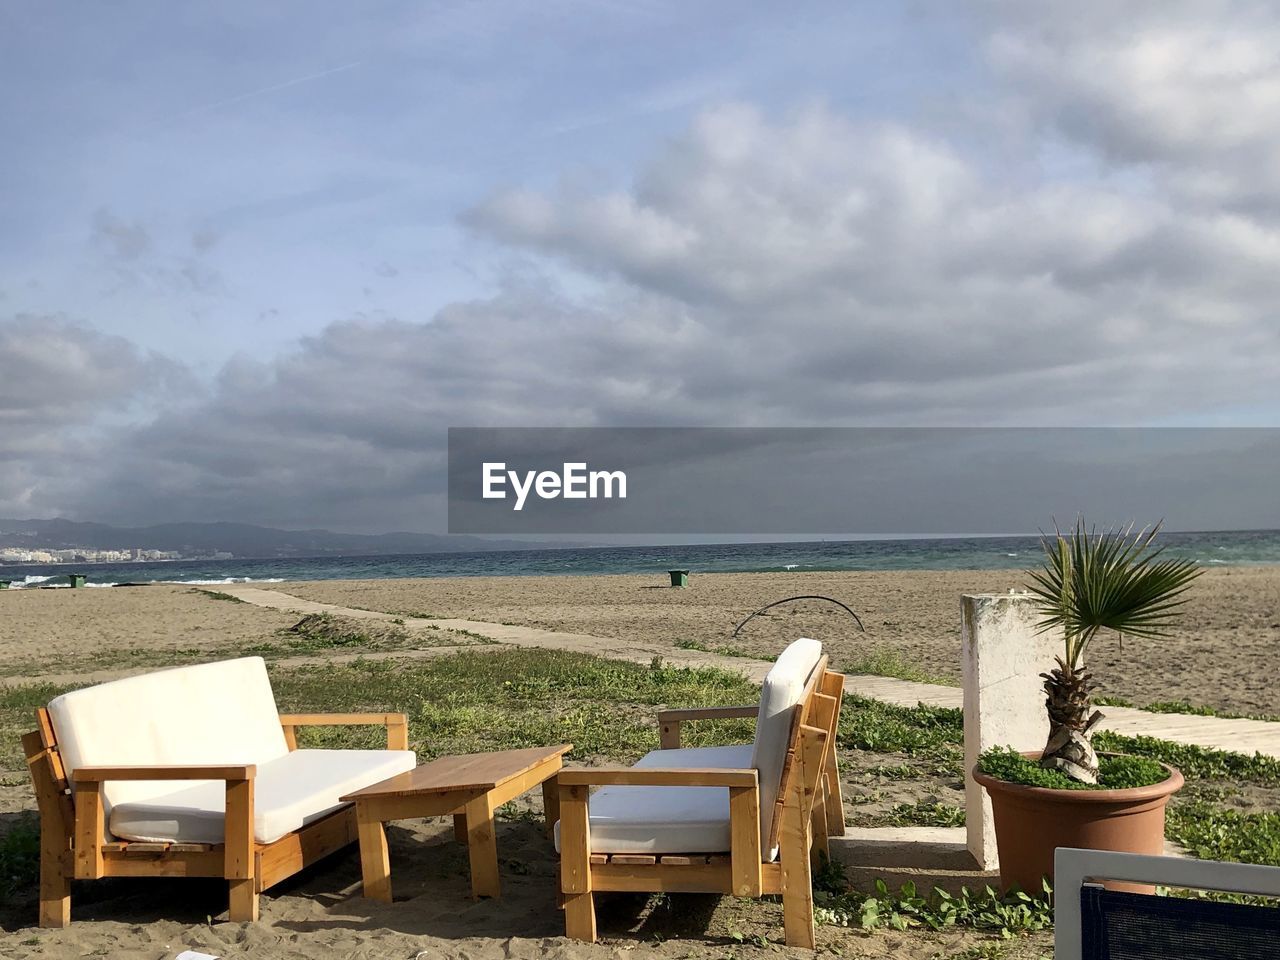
x,y
1224,548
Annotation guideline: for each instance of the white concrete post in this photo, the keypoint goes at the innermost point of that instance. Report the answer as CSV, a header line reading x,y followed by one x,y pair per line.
x,y
1003,695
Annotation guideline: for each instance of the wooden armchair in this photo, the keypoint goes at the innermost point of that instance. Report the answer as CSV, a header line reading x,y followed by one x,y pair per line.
x,y
794,810
75,805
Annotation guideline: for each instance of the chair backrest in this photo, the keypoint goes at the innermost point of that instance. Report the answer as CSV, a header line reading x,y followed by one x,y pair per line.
x,y
1091,922
220,712
783,691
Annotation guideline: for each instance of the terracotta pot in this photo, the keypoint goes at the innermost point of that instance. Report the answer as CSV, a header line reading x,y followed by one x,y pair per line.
x,y
1032,822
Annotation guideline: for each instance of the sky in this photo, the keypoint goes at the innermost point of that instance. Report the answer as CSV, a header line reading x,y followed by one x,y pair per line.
x,y
255,259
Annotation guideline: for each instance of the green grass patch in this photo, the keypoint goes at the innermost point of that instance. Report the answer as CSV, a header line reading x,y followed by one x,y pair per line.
x,y
835,902
468,702
889,663
1196,763
722,650
1114,772
1211,832
924,813
935,734
20,857
219,595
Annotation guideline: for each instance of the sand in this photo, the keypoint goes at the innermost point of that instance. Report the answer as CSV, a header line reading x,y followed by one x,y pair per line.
x,y
1222,655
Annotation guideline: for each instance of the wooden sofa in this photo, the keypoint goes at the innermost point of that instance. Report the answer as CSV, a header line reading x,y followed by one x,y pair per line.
x,y
746,820
192,772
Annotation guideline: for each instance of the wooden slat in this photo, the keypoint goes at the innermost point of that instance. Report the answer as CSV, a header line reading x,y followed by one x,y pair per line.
x,y
576,872
744,840
634,859
658,777
192,864
56,819
669,735
481,771
136,848
551,803
709,713
239,851
599,858
89,830
833,685
794,838
771,879
339,719
663,878
191,847
44,724
282,859
166,772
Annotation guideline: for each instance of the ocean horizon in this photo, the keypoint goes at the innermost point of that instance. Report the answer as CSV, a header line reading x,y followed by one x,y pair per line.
x,y
1211,548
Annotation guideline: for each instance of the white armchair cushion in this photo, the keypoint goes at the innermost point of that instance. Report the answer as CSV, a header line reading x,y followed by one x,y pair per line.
x,y
289,792
218,713
654,820
782,689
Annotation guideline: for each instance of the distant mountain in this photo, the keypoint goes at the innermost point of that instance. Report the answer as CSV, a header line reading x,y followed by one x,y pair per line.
x,y
240,539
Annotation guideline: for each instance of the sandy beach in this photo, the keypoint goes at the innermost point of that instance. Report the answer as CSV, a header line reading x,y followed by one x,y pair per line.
x,y
1222,655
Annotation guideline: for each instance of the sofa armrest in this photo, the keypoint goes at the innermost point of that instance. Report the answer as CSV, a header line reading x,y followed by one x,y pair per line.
x,y
397,725
90,828
200,771
744,818
669,721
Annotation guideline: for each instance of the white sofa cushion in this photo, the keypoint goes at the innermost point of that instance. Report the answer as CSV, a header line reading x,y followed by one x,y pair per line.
x,y
290,791
782,689
654,820
219,713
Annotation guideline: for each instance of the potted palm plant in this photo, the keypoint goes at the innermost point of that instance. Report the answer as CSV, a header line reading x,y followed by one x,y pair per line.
x,y
1066,795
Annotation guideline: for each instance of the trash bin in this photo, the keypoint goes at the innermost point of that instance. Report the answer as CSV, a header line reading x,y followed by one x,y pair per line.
x,y
76,579
4,584
679,578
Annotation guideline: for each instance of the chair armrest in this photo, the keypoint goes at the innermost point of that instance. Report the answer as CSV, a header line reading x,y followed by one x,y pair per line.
x,y
669,721
744,818
397,725
745,711
208,771
89,830
657,777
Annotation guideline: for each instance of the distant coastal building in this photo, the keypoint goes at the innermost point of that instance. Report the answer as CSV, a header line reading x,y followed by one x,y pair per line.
x,y
84,555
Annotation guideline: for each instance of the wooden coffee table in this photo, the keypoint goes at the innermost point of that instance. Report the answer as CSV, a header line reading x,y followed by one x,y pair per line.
x,y
470,788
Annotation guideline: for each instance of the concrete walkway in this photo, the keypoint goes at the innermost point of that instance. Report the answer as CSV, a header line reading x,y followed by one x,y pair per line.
x,y
1239,736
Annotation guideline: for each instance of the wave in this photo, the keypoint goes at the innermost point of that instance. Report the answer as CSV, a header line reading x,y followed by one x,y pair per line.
x,y
790,566
232,580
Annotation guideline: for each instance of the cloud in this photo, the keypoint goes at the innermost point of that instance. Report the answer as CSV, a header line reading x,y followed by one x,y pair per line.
x,y
119,238
806,270
1119,264
132,259
62,386
1187,88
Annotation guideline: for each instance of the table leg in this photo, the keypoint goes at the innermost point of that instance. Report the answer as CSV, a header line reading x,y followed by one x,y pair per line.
x,y
460,827
482,847
375,862
551,804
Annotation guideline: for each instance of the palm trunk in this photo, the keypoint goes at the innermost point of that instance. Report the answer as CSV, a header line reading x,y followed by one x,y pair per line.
x,y
1072,721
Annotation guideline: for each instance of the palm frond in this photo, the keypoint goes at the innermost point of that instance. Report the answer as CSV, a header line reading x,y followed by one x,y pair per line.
x,y
1114,580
